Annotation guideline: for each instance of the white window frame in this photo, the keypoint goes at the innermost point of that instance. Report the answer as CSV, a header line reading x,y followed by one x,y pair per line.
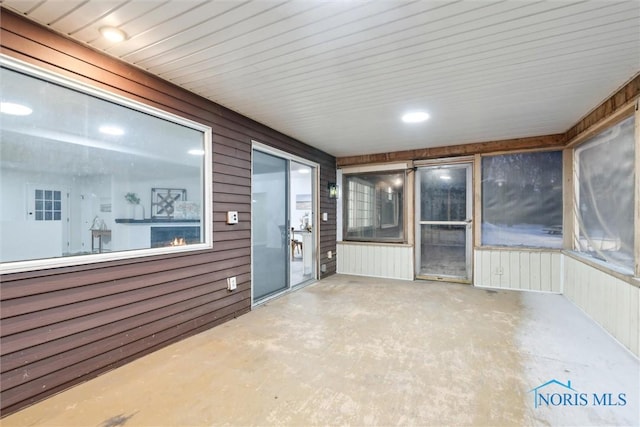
x,y
207,205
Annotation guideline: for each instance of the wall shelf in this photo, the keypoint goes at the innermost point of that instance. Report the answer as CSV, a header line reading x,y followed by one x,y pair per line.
x,y
155,221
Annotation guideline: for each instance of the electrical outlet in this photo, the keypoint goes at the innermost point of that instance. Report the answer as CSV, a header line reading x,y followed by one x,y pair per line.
x,y
231,283
232,217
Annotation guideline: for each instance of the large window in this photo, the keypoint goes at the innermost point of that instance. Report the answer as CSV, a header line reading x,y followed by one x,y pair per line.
x,y
374,207
604,195
88,176
522,200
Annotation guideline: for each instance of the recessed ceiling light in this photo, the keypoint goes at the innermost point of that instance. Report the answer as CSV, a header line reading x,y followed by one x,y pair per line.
x,y
303,170
15,109
196,152
111,130
415,117
113,34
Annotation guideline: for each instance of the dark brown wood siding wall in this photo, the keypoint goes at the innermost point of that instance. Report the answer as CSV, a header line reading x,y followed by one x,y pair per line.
x,y
63,326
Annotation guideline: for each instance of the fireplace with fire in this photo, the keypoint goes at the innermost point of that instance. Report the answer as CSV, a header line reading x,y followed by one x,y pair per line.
x,y
174,236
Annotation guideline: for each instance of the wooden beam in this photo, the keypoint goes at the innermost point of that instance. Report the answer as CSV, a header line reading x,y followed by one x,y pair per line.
x,y
477,201
637,195
545,141
616,108
569,231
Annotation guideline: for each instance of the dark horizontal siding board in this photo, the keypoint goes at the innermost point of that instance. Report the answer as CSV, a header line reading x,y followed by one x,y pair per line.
x,y
229,198
44,366
20,329
240,207
41,282
69,308
21,356
240,145
142,304
234,189
224,227
233,161
112,358
224,178
42,394
38,302
221,168
220,149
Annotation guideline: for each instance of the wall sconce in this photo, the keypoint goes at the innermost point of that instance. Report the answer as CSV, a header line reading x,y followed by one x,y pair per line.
x,y
333,190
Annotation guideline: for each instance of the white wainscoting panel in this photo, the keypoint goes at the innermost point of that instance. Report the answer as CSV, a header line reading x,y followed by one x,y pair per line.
x,y
518,269
368,259
613,303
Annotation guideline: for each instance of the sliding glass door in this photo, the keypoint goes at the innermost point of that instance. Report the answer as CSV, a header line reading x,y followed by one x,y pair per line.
x,y
283,223
270,225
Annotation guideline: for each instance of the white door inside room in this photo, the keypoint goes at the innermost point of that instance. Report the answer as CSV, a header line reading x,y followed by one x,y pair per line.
x,y
48,207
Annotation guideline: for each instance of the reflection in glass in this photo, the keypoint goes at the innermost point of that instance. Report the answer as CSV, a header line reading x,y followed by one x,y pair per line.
x,y
374,207
271,236
443,250
67,176
443,194
303,248
605,165
444,221
522,200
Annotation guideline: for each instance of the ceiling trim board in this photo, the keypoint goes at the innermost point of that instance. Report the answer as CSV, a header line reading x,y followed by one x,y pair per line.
x,y
544,141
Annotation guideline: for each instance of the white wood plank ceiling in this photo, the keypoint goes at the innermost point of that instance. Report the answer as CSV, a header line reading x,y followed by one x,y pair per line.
x,y
339,74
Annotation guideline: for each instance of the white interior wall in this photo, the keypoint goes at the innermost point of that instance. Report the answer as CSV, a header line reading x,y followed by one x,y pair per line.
x,y
300,184
86,196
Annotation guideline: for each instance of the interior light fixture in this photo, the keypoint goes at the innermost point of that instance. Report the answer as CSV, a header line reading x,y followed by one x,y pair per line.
x,y
113,34
15,109
415,117
303,170
196,152
111,130
445,177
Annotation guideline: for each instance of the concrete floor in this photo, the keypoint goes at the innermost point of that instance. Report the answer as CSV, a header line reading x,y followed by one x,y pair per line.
x,y
361,351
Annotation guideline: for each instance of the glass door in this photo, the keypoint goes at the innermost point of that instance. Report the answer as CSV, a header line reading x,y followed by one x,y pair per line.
x,y
301,213
270,225
283,222
444,225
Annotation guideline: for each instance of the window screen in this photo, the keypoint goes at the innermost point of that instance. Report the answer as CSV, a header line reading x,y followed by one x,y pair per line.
x,y
604,195
522,200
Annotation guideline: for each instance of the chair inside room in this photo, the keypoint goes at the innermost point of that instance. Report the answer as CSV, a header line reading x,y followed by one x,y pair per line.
x,y
296,246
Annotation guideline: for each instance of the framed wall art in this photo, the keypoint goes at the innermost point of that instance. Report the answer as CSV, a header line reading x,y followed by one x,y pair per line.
x,y
163,201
